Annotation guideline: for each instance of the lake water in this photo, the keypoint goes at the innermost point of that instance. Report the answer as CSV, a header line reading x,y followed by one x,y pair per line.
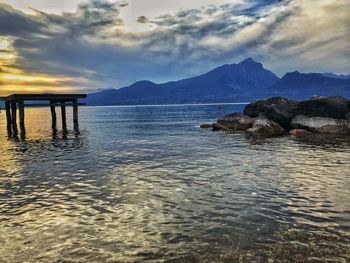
x,y
146,184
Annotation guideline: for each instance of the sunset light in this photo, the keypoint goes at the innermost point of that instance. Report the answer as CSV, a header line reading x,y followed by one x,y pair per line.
x,y
16,80
175,131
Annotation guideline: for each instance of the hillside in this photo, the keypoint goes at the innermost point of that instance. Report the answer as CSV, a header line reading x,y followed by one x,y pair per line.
x,y
223,84
245,81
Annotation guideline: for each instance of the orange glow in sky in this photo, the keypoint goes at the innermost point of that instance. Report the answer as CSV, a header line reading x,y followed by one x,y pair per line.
x,y
14,80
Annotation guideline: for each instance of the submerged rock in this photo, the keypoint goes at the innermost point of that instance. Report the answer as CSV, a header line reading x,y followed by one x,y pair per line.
x,y
265,127
322,124
299,132
332,106
236,121
206,126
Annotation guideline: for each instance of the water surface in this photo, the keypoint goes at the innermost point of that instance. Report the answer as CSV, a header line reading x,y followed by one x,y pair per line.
x,y
146,184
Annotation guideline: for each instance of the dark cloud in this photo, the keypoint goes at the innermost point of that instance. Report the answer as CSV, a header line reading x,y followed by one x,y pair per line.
x,y
16,23
142,19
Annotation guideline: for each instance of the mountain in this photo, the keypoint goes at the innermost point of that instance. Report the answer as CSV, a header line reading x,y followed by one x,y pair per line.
x,y
304,85
245,81
332,75
226,83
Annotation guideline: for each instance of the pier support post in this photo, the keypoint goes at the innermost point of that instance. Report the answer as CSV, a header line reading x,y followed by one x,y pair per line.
x,y
8,117
14,118
53,114
63,113
75,115
21,116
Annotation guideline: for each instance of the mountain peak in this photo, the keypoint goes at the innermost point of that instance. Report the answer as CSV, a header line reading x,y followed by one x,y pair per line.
x,y
248,61
251,63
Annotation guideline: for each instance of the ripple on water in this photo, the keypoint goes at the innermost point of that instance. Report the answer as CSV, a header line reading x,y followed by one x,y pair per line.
x,y
145,184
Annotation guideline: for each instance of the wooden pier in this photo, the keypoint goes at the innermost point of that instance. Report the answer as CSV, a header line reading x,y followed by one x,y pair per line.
x,y
15,101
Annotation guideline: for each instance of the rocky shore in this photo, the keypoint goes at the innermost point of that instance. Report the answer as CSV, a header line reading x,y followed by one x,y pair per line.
x,y
277,116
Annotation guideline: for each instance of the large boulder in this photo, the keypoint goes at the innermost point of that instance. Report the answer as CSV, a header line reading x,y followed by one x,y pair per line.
x,y
347,116
321,124
265,127
255,108
279,115
333,107
236,121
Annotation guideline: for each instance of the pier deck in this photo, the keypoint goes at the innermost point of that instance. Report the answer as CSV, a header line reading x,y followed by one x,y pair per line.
x,y
14,101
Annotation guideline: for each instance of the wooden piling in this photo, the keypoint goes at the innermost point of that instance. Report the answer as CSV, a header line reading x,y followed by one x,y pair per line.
x,y
14,117
63,113
21,116
53,114
8,116
75,115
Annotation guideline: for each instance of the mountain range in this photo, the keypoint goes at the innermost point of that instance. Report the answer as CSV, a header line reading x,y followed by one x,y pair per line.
x,y
332,75
245,81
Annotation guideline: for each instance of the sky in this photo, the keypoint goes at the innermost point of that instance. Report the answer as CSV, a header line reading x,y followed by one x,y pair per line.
x,y
84,46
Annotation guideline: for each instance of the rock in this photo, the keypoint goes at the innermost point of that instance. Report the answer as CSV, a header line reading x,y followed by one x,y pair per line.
x,y
347,116
265,127
236,121
274,116
299,132
218,127
279,115
333,107
255,108
321,124
206,126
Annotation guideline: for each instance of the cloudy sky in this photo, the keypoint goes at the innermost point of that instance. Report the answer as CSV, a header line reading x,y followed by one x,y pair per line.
x,y
83,46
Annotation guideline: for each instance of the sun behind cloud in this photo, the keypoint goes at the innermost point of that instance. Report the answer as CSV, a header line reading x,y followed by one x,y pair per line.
x,y
16,80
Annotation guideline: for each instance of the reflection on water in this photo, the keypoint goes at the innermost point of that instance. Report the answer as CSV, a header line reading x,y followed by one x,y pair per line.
x,y
145,183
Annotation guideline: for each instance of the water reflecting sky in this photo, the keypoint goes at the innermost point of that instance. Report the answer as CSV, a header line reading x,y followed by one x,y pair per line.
x,y
145,183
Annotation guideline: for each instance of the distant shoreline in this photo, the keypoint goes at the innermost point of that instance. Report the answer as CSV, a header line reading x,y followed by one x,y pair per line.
x,y
143,105
172,105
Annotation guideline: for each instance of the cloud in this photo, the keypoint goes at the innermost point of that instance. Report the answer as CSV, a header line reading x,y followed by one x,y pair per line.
x,y
93,47
18,24
315,38
142,19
